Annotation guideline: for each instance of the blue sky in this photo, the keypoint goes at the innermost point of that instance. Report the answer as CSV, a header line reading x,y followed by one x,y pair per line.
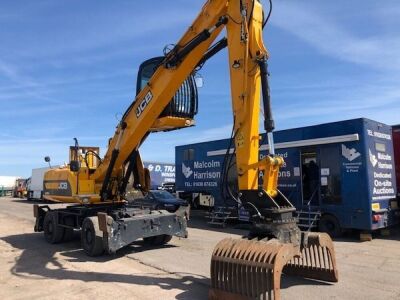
x,y
68,69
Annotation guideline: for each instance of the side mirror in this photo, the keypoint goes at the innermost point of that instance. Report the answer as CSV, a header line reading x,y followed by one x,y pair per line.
x,y
74,166
47,159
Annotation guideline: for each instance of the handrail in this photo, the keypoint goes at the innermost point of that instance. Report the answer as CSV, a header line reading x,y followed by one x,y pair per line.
x,y
309,208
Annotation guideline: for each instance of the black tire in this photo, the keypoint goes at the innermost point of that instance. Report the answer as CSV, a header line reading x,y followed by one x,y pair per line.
x,y
52,232
167,238
195,203
157,240
158,207
92,237
330,225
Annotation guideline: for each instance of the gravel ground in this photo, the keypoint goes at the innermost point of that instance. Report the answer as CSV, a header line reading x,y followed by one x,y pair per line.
x,y
29,267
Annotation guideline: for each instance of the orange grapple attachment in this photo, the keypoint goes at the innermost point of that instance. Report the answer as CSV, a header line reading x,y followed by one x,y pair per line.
x,y
252,269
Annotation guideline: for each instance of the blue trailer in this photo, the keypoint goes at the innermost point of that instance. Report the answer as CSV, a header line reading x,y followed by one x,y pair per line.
x,y
160,173
338,175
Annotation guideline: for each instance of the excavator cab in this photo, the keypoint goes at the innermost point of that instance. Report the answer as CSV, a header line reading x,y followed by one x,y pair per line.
x,y
84,157
182,108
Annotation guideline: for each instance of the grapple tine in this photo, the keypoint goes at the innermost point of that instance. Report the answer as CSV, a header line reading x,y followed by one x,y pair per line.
x,y
248,269
315,247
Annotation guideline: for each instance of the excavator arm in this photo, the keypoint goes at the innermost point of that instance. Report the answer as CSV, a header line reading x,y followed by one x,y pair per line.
x,y
247,60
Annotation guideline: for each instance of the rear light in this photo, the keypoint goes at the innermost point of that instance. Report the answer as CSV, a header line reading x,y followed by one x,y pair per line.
x,y
376,218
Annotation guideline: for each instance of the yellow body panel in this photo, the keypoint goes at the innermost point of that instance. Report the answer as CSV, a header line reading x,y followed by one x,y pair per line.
x,y
60,185
86,187
168,123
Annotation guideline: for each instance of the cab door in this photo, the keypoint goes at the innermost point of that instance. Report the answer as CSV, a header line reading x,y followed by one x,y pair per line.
x,y
330,175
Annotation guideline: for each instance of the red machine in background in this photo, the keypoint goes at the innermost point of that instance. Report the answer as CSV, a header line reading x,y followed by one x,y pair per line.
x,y
20,190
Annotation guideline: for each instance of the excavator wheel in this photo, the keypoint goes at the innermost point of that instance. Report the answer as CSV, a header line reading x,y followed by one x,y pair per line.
x,y
92,237
52,232
252,269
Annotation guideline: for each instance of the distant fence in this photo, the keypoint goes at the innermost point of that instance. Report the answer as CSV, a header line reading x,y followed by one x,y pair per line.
x,y
5,191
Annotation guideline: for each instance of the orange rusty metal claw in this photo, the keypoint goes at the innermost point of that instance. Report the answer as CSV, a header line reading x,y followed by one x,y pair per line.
x,y
248,269
317,259
252,269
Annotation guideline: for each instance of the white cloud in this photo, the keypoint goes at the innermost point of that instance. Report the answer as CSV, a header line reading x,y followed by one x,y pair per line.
x,y
371,91
331,38
380,103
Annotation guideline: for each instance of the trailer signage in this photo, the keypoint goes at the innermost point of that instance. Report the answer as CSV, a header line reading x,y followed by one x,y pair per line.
x,y
351,154
186,171
379,134
381,160
204,173
383,183
160,173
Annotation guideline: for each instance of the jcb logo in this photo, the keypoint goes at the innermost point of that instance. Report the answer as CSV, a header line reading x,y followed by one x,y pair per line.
x,y
143,104
63,186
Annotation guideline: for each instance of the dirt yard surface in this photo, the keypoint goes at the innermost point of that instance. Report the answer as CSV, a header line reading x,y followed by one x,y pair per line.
x,y
31,268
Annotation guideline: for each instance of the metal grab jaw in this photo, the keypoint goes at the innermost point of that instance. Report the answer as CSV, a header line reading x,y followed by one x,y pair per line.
x,y
251,268
248,269
316,260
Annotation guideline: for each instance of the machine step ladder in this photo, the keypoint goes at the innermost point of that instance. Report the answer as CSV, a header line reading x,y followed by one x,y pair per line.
x,y
219,216
308,219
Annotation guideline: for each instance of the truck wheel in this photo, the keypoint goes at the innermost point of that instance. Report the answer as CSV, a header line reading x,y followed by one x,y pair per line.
x,y
330,225
196,202
92,237
157,240
167,238
52,232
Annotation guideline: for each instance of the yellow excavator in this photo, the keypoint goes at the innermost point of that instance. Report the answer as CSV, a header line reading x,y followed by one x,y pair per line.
x,y
247,268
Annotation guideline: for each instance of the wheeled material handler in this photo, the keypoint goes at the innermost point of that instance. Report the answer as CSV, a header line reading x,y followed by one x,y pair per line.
x,y
166,100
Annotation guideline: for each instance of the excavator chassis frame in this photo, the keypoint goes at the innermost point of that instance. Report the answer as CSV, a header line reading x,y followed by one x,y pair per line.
x,y
118,231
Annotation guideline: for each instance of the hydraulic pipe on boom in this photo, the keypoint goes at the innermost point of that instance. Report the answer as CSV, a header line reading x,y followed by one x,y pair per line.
x,y
166,100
